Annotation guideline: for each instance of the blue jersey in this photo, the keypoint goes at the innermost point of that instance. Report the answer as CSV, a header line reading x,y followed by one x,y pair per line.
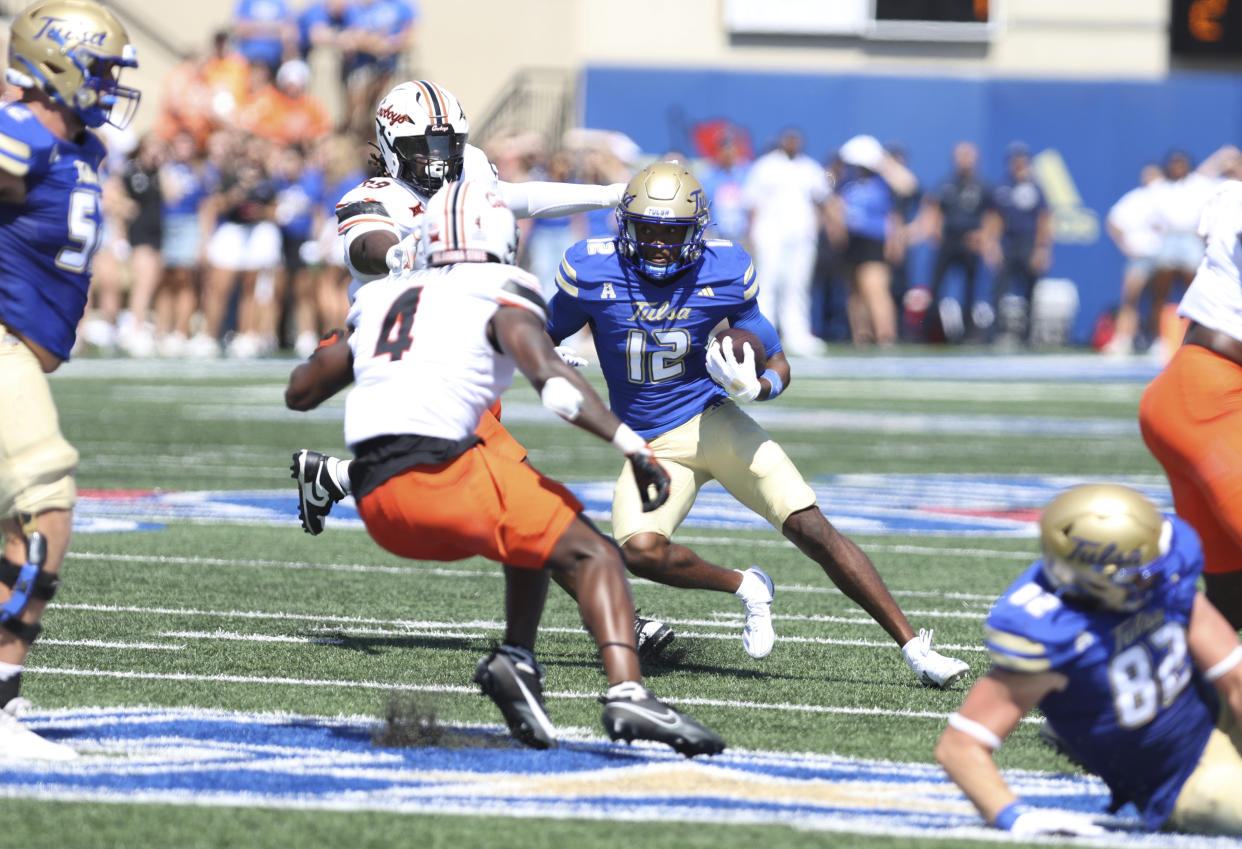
x,y
652,339
868,202
1136,710
47,241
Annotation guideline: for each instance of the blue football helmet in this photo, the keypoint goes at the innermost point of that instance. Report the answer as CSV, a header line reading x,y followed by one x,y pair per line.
x,y
75,50
661,220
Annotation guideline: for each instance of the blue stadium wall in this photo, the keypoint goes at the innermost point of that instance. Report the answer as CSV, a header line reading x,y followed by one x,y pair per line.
x,y
1102,132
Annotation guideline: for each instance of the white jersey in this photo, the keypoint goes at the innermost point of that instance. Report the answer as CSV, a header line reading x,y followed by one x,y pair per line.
x,y
391,205
1135,215
784,195
423,364
1214,297
1179,203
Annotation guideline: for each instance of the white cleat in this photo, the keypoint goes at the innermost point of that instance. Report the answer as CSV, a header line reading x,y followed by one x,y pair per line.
x,y
756,593
933,668
19,743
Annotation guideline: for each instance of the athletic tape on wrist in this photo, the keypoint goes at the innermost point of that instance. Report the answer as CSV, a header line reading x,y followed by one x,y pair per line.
x,y
1220,669
627,441
778,385
562,397
1009,814
976,730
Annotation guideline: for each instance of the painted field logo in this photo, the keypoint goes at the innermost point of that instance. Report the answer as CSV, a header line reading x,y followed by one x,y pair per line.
x,y
979,505
195,757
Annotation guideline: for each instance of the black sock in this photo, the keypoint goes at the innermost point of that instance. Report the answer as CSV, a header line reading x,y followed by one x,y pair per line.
x,y
9,689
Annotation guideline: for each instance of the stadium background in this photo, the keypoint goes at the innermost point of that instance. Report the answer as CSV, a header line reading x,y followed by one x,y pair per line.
x,y
1096,89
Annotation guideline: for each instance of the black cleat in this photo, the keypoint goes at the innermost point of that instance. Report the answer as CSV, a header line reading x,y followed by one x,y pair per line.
x,y
517,689
317,490
652,637
635,714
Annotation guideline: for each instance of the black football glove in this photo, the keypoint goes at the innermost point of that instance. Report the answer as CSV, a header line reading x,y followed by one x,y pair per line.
x,y
651,478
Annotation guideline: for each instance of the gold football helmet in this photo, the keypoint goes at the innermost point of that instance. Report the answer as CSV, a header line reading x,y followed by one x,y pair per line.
x,y
74,50
663,195
1101,543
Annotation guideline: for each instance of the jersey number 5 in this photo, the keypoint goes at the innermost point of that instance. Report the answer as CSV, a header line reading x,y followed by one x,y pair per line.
x,y
397,332
84,231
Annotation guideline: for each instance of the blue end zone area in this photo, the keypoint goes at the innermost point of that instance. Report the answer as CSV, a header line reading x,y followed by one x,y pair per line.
x,y
856,504
185,756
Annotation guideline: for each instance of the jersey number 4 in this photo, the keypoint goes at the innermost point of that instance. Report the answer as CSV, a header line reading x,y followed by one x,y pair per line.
x,y
397,332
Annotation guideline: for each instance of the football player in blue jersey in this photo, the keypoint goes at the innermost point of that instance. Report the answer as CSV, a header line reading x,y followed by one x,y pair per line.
x,y
653,296
65,58
1134,669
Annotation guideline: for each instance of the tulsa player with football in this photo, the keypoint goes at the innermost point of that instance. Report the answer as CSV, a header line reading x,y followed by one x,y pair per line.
x,y
430,351
65,58
422,130
1135,670
653,296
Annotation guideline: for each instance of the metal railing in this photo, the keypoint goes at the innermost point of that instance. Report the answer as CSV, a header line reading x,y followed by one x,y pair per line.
x,y
539,100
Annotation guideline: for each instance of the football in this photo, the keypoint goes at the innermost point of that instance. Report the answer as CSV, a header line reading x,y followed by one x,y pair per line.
x,y
740,337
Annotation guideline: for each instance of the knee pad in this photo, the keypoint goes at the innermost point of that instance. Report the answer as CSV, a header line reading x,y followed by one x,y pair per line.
x,y
27,582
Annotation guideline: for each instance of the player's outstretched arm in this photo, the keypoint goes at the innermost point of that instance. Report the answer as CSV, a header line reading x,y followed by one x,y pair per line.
x,y
329,370
369,252
989,714
520,334
1215,650
536,199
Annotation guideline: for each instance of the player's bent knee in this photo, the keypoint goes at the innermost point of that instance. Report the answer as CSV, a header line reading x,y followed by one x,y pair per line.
x,y
580,545
645,552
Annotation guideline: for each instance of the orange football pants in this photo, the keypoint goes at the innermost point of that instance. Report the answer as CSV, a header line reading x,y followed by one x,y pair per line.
x,y
495,437
1191,418
485,502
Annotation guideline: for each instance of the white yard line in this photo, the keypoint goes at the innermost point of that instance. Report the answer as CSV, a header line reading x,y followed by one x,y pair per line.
x,y
105,644
785,707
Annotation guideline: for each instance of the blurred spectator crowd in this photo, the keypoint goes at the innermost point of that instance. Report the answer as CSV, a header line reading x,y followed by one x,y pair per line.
x,y
989,273
220,234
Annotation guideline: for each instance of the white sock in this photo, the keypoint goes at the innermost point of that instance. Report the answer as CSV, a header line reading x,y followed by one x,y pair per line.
x,y
751,587
339,469
627,690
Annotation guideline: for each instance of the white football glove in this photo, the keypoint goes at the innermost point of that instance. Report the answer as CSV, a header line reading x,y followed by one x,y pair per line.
x,y
737,378
1051,821
401,256
570,357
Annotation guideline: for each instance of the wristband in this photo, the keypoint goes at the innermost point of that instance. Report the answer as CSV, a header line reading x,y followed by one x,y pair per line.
x,y
627,441
778,385
976,730
1009,814
1219,669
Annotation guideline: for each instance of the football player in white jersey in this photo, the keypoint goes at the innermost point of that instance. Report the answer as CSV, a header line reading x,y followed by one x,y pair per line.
x,y
1191,414
421,131
430,351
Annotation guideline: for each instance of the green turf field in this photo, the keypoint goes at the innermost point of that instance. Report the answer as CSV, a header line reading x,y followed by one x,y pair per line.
x,y
234,613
